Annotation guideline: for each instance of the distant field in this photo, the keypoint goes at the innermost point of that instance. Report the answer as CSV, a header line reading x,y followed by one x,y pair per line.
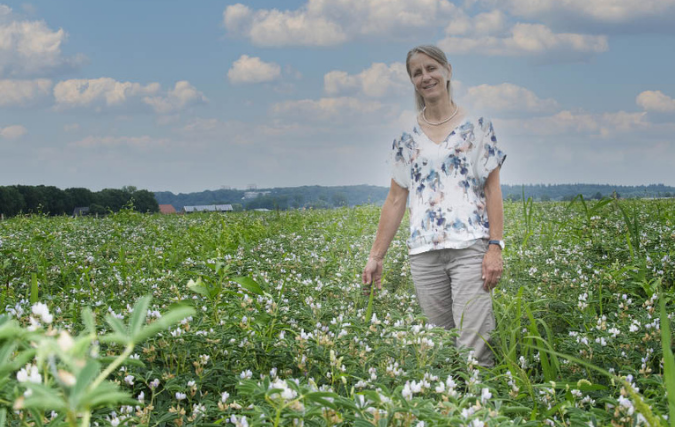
x,y
279,333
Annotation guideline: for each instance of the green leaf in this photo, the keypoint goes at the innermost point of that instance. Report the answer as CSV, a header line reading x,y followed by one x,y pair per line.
x,y
117,325
138,316
248,284
116,338
668,362
198,287
84,378
3,417
107,394
33,289
89,321
127,362
45,398
174,315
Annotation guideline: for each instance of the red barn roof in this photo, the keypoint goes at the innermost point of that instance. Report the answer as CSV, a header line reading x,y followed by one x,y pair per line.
x,y
167,209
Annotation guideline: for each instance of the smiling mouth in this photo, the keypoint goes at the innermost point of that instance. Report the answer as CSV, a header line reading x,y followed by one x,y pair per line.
x,y
429,86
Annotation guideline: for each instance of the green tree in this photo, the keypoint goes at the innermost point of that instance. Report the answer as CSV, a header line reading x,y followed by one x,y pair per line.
x,y
113,199
78,198
340,199
11,201
144,201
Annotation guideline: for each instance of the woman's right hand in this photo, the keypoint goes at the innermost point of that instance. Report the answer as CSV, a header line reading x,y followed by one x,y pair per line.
x,y
372,273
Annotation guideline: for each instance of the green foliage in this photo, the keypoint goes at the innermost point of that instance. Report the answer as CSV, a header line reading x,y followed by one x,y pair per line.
x,y
281,334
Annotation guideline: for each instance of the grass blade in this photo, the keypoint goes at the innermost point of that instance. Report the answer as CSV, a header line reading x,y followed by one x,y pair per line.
x,y
668,362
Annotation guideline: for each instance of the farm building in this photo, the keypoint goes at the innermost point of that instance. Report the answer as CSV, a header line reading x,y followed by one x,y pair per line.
x,y
81,211
208,208
167,209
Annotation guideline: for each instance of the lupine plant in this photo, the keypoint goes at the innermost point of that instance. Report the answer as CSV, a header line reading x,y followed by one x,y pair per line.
x,y
259,319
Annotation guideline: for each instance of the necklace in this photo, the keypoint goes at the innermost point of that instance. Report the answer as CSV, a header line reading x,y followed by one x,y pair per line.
x,y
441,122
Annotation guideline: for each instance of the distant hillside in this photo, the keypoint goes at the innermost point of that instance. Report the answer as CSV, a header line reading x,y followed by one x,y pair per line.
x,y
326,197
589,191
282,198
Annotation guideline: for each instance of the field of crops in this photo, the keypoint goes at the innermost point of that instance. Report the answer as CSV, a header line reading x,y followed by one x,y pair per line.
x,y
259,319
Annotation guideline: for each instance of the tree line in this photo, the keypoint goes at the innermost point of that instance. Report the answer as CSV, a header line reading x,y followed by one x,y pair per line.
x,y
50,200
315,197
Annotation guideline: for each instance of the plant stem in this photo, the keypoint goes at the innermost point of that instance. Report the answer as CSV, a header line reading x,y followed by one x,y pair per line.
x,y
117,362
86,418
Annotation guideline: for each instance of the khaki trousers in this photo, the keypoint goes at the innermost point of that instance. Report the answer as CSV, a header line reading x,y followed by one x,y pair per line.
x,y
450,292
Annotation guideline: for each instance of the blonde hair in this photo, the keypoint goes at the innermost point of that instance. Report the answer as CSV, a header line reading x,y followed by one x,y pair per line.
x,y
437,55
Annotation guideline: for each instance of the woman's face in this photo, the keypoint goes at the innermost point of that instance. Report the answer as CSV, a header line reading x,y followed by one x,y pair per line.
x,y
429,77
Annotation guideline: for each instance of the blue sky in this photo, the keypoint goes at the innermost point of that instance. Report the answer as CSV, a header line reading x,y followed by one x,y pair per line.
x,y
178,96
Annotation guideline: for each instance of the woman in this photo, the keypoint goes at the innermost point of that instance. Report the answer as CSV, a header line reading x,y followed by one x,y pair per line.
x,y
447,164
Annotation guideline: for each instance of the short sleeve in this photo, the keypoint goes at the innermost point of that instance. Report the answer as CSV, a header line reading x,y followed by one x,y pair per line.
x,y
399,161
489,156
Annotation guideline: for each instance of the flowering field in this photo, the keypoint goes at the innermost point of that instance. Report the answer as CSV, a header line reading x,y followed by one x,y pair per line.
x,y
259,319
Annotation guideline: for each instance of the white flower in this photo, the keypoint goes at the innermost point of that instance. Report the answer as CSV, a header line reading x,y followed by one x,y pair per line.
x,y
485,395
180,396
129,379
141,397
29,374
246,375
154,384
198,409
40,309
224,396
406,392
190,383
626,403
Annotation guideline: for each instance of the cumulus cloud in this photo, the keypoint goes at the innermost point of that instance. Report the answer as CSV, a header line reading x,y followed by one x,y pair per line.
x,y
566,123
327,23
528,40
249,69
140,142
377,81
326,108
607,11
31,48
12,132
655,100
182,96
23,92
105,90
484,24
108,92
507,97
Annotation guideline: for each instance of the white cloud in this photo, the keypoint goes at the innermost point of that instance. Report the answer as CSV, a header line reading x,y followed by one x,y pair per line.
x,y
327,23
507,97
182,96
108,92
566,123
655,100
607,11
139,142
105,90
249,69
22,92
29,48
13,132
484,24
528,39
333,109
377,81
73,127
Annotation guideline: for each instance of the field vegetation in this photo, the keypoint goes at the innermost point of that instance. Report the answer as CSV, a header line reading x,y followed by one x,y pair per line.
x,y
251,319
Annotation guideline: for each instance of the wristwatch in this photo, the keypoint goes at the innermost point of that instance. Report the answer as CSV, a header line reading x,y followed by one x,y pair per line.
x,y
499,243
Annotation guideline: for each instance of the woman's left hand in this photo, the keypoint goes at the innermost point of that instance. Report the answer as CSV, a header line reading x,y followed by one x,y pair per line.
x,y
492,267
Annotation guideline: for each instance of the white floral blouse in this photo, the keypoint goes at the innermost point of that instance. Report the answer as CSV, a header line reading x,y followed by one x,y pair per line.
x,y
446,183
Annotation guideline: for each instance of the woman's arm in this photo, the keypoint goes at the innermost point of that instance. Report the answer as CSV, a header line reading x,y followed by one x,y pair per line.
x,y
390,219
492,262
